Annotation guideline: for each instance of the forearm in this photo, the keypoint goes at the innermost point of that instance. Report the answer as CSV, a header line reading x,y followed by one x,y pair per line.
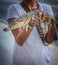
x,y
22,36
50,36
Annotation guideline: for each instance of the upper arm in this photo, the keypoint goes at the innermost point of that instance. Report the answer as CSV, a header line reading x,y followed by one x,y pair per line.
x,y
12,12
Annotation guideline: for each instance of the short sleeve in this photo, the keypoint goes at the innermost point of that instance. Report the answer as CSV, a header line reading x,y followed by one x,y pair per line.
x,y
46,8
49,10
12,12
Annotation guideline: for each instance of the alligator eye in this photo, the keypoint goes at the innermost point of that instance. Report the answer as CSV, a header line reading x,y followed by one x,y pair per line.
x,y
6,29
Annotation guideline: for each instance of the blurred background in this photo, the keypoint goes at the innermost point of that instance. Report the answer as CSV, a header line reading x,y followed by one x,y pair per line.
x,y
7,39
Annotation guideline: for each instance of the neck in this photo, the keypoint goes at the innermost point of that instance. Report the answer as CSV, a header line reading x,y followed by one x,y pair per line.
x,y
31,5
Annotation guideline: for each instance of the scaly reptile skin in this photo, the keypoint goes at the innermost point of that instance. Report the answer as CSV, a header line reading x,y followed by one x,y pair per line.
x,y
24,20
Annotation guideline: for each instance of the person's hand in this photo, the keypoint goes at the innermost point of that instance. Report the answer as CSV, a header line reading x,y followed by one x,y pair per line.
x,y
33,22
44,17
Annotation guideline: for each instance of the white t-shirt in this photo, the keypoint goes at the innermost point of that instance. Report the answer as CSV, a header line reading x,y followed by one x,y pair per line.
x,y
33,52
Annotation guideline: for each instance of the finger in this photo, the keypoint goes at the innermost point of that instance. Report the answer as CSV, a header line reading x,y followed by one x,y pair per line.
x,y
40,14
43,14
32,18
